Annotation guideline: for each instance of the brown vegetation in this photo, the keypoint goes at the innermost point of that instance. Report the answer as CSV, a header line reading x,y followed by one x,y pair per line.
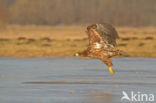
x,y
45,41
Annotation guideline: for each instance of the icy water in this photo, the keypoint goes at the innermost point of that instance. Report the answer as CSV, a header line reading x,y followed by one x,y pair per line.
x,y
73,80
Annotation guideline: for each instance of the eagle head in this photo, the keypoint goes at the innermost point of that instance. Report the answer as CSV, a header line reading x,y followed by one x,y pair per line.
x,y
76,54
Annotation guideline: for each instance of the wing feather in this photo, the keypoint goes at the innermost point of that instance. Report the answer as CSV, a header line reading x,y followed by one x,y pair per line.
x,y
93,35
102,34
108,33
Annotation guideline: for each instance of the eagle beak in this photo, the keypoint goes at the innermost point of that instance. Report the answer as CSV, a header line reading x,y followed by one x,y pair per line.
x,y
111,70
76,54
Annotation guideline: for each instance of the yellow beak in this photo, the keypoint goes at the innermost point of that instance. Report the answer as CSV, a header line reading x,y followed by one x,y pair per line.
x,y
111,70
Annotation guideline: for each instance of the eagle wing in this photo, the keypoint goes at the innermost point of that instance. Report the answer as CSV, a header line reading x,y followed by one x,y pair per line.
x,y
102,36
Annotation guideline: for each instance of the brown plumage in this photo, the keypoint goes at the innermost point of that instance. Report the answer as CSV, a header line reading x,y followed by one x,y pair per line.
x,y
102,43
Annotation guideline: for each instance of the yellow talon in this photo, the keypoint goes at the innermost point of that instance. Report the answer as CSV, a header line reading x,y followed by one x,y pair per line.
x,y
111,70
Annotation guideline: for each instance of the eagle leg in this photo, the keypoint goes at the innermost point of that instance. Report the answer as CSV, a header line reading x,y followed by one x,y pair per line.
x,y
108,62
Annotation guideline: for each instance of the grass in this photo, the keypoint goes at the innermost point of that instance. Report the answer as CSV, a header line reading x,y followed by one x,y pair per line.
x,y
47,41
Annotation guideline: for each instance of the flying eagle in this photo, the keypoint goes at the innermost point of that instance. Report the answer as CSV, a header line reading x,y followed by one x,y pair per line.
x,y
102,44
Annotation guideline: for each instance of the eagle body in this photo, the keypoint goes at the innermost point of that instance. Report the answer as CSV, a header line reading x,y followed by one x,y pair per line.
x,y
102,43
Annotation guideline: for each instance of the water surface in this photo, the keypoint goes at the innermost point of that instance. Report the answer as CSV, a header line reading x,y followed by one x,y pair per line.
x,y
73,80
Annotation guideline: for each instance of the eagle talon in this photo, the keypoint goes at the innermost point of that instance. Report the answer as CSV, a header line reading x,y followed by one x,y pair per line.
x,y
111,70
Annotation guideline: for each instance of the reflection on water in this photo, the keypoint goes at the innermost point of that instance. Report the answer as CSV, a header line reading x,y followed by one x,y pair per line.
x,y
72,80
92,82
101,97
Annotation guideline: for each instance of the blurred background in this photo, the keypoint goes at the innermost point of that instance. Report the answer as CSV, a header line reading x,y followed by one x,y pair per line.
x,y
45,25
67,12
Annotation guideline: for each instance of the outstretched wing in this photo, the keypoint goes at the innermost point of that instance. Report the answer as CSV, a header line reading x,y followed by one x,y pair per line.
x,y
102,36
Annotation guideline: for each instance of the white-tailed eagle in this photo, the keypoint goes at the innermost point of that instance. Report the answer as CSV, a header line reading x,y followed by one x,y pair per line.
x,y
102,43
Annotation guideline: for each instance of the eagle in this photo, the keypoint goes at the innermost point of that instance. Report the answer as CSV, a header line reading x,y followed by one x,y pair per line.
x,y
102,44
